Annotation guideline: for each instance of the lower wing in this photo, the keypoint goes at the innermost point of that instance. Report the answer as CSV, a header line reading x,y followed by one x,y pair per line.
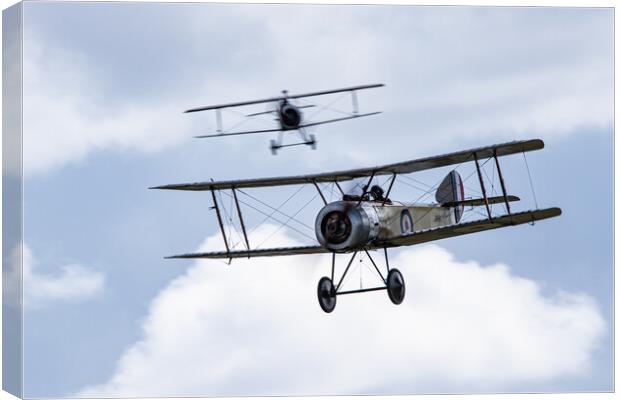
x,y
469,227
280,129
327,121
404,240
281,251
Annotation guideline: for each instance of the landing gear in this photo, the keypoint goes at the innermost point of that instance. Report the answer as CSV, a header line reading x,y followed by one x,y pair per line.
x,y
327,292
308,140
395,286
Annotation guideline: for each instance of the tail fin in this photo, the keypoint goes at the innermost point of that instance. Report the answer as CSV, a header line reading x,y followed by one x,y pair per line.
x,y
451,190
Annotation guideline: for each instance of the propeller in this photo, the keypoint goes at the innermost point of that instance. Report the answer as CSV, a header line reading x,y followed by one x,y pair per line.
x,y
336,227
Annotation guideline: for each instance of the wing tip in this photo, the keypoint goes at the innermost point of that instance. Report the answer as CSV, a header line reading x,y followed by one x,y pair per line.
x,y
181,256
540,144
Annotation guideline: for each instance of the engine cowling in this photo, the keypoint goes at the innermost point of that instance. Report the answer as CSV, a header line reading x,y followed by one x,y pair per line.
x,y
342,225
290,116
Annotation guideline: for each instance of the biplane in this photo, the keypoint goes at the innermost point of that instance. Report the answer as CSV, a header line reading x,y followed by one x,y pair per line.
x,y
372,221
289,115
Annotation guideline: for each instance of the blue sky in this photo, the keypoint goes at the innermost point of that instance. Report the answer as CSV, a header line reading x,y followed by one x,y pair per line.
x,y
104,88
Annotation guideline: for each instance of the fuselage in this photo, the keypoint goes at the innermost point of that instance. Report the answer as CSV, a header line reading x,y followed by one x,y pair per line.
x,y
348,225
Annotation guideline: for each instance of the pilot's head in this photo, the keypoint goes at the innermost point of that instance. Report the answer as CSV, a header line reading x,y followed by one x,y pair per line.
x,y
376,192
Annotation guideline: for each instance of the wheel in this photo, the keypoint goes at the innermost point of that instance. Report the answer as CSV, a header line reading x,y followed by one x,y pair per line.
x,y
326,293
396,286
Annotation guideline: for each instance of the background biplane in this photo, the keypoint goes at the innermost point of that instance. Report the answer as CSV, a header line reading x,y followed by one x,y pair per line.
x,y
288,115
371,220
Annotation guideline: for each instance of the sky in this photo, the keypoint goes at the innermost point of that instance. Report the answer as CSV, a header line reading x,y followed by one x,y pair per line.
x,y
514,310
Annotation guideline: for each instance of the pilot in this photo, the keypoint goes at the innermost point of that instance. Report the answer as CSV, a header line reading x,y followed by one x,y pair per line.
x,y
377,193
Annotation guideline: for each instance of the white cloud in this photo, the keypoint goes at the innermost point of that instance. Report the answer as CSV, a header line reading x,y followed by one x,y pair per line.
x,y
72,283
65,117
255,328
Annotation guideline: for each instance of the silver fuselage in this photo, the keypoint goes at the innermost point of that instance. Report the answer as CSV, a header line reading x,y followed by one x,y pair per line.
x,y
347,225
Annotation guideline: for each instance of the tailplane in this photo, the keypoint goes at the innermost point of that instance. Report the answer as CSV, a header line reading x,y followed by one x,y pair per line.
x,y
480,201
451,193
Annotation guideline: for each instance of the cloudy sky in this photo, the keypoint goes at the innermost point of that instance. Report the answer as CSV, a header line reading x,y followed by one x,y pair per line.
x,y
522,309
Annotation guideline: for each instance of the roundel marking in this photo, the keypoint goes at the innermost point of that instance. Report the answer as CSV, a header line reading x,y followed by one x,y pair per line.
x,y
406,222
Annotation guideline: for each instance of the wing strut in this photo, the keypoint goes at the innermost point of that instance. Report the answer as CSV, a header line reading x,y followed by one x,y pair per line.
x,y
372,175
484,191
320,192
245,235
387,195
501,181
346,270
339,188
219,220
218,120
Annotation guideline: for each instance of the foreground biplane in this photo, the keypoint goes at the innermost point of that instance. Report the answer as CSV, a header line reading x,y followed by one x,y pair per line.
x,y
372,221
288,115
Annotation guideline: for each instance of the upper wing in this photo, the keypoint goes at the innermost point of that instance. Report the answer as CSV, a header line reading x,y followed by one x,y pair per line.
x,y
294,96
398,168
281,251
237,104
347,89
470,227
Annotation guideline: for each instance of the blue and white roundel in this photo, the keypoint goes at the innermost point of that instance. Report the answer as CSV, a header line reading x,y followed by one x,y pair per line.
x,y
406,222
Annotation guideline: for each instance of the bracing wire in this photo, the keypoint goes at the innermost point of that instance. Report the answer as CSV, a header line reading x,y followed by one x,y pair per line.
x,y
417,220
492,181
236,125
275,219
271,214
327,106
529,175
436,185
412,186
254,118
286,222
277,209
361,263
229,218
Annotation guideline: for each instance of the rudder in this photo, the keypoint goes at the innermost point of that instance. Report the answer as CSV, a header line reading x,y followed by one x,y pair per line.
x,y
451,190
